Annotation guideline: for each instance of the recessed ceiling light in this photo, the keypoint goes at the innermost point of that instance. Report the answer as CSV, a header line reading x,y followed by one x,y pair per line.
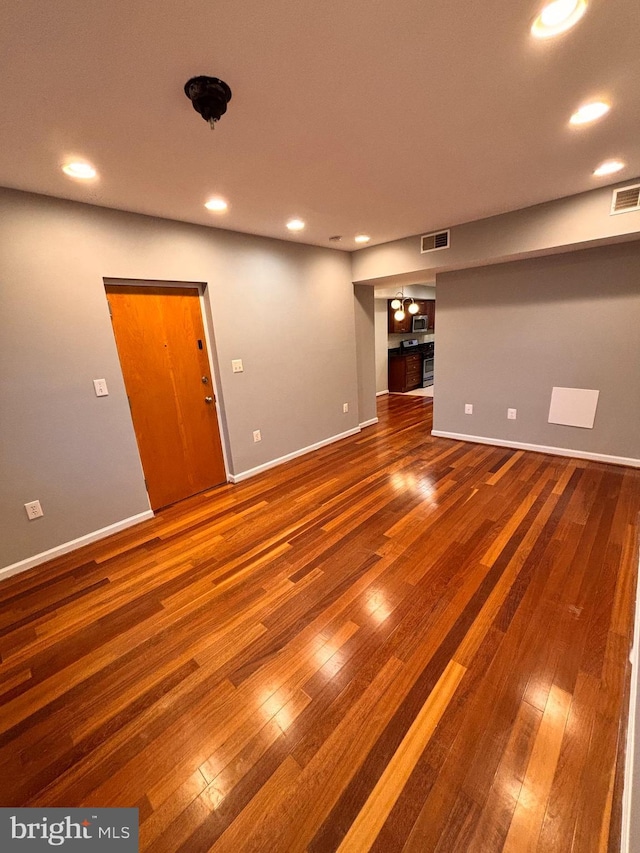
x,y
216,204
608,168
362,238
590,112
558,17
295,225
77,169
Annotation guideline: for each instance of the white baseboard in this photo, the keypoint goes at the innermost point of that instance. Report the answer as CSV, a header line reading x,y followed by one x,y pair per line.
x,y
380,393
629,795
541,448
370,422
244,475
87,539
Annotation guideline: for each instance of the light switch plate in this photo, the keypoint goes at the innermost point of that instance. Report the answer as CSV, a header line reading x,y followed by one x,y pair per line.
x,y
236,365
512,414
101,387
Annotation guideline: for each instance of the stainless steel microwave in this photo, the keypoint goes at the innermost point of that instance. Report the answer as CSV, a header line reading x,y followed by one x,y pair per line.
x,y
420,323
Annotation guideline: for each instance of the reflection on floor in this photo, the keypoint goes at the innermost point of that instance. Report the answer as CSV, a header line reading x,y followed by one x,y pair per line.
x,y
420,392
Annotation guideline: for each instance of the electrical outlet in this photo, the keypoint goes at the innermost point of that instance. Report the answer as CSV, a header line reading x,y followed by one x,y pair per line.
x,y
101,387
236,365
257,435
34,510
345,408
468,408
512,414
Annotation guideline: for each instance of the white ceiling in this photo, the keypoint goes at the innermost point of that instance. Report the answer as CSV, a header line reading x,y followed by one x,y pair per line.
x,y
392,118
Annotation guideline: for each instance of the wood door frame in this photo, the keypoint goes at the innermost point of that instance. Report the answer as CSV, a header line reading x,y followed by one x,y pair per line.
x,y
206,320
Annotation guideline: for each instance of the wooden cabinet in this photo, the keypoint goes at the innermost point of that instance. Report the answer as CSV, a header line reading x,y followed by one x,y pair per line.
x,y
426,307
405,372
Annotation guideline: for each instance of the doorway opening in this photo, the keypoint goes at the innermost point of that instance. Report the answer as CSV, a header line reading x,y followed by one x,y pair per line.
x,y
405,349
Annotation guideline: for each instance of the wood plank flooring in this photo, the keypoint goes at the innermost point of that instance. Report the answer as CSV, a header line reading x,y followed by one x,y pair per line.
x,y
396,643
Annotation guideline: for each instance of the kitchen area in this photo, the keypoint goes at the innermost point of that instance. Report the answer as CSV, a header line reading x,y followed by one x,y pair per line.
x,y
405,340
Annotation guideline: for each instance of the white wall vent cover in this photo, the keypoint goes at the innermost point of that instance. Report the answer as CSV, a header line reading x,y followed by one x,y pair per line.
x,y
435,241
626,199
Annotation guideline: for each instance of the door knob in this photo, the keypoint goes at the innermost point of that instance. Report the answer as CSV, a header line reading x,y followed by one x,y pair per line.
x,y
208,399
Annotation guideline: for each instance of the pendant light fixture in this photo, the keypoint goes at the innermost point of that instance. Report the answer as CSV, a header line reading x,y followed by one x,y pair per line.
x,y
398,304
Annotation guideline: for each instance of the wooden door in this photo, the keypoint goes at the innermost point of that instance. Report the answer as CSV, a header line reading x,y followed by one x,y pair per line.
x,y
163,353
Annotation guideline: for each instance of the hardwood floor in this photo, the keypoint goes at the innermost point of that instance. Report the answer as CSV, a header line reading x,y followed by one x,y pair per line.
x,y
396,643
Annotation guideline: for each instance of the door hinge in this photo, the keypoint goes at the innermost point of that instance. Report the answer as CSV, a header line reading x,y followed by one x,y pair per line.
x,y
110,311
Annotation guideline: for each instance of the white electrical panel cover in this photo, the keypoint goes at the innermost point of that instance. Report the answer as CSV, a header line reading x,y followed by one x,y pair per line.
x,y
573,407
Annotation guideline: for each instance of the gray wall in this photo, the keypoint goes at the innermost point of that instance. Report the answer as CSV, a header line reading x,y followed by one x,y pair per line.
x,y
508,333
365,351
286,310
579,220
382,346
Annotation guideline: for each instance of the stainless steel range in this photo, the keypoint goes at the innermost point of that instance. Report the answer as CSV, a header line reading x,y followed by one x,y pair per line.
x,y
428,351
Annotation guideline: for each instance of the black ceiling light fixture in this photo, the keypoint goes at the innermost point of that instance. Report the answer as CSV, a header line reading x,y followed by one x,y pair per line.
x,y
209,97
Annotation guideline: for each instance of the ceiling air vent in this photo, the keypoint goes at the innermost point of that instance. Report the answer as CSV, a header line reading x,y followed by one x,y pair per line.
x,y
626,199
435,241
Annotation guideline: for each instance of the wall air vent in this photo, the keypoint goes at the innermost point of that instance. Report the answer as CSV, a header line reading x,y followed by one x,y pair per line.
x,y
626,199
435,241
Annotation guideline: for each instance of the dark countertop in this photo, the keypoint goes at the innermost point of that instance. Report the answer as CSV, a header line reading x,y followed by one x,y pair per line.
x,y
421,349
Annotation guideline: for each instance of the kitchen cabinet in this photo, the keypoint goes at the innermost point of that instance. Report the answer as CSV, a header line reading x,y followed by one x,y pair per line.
x,y
405,372
426,307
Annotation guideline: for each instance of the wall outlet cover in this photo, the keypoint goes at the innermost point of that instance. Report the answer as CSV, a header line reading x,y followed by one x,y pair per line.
x,y
468,408
236,365
33,510
512,414
257,435
345,408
